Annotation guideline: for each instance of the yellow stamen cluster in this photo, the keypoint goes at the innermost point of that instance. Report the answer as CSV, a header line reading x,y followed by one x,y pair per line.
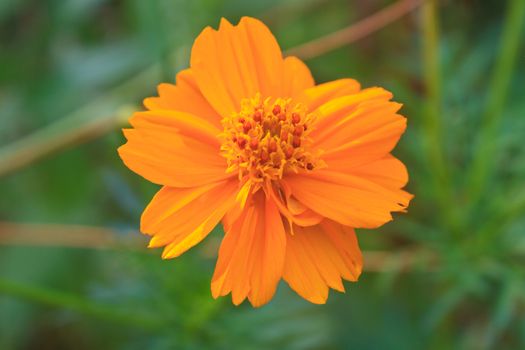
x,y
268,138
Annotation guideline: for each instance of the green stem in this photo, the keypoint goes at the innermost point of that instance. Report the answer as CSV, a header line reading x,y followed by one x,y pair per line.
x,y
75,303
482,163
432,124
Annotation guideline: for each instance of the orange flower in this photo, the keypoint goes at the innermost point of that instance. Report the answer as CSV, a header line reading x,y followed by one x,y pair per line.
x,y
290,168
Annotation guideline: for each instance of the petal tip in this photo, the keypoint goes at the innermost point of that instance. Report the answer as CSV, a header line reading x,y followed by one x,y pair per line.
x,y
224,23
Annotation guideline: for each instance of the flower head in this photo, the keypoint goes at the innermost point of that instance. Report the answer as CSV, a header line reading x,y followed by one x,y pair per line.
x,y
290,168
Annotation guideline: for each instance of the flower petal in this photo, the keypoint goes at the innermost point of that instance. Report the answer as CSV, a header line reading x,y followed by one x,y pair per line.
x,y
236,62
297,77
388,172
318,256
349,198
323,93
359,128
180,218
362,183
184,97
174,149
251,256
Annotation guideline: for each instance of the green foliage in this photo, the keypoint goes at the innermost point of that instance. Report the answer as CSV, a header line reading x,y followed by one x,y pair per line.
x,y
460,76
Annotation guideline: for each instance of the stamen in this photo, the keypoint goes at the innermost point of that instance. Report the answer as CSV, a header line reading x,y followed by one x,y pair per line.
x,y
268,138
246,127
296,141
264,156
241,143
272,146
288,153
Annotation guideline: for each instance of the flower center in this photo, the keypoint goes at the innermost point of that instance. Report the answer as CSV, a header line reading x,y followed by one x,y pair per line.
x,y
268,138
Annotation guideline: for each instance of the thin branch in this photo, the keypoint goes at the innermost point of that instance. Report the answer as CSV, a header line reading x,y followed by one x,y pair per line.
x,y
355,31
89,122
283,11
86,237
67,132
405,260
68,236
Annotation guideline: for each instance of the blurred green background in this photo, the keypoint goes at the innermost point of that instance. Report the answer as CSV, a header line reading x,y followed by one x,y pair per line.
x,y
74,273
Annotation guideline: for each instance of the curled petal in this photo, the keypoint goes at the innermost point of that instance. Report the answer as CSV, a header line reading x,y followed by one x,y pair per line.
x,y
293,210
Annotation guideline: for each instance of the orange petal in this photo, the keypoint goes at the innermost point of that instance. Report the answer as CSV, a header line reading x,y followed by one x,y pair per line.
x,y
236,62
251,256
180,218
318,256
358,128
174,149
297,77
322,93
350,199
184,97
389,172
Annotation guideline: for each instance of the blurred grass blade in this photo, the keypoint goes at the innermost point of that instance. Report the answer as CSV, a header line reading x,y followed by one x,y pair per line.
x,y
507,209
498,88
432,76
75,303
432,121
443,307
504,310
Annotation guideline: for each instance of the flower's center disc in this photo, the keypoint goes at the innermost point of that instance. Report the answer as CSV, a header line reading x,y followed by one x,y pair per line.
x,y
268,138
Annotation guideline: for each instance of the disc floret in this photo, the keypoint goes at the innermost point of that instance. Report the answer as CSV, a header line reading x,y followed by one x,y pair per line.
x,y
268,138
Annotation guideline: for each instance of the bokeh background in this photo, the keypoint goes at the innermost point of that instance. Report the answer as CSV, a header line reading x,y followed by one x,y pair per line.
x,y
74,273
